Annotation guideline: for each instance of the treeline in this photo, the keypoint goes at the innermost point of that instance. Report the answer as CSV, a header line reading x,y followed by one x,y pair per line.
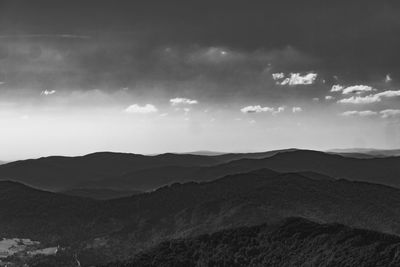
x,y
295,242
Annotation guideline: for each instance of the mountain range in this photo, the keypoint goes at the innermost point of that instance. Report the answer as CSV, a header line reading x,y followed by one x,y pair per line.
x,y
61,173
105,231
115,208
292,242
133,172
376,170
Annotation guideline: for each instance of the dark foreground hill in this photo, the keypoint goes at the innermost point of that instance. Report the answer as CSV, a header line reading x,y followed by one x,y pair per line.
x,y
104,231
45,216
293,242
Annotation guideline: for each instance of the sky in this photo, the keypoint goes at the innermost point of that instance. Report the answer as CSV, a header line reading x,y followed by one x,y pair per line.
x,y
176,76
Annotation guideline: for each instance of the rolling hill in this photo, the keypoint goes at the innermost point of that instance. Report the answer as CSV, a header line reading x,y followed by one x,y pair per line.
x,y
375,170
293,242
104,231
118,171
61,173
100,194
44,216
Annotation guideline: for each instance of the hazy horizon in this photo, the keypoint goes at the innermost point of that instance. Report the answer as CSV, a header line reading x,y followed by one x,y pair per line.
x,y
203,152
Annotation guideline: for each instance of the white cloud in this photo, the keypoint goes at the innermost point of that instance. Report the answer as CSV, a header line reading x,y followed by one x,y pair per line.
x,y
360,99
364,113
329,97
297,109
256,109
388,79
278,76
389,93
370,98
298,79
316,99
357,89
390,113
259,109
48,92
278,110
337,88
146,109
182,101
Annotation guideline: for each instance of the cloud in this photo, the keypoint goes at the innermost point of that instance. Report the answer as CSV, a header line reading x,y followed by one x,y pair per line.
x,y
47,92
256,109
297,109
357,89
364,113
146,109
388,79
389,93
390,113
370,98
295,78
278,76
329,97
337,88
259,109
182,101
278,110
360,100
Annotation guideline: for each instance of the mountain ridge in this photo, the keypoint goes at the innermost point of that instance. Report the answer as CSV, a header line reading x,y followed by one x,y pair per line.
x,y
114,229
292,242
123,171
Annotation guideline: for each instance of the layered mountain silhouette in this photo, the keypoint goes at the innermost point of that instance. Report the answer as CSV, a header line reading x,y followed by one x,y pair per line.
x,y
293,242
119,171
376,170
61,173
106,231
